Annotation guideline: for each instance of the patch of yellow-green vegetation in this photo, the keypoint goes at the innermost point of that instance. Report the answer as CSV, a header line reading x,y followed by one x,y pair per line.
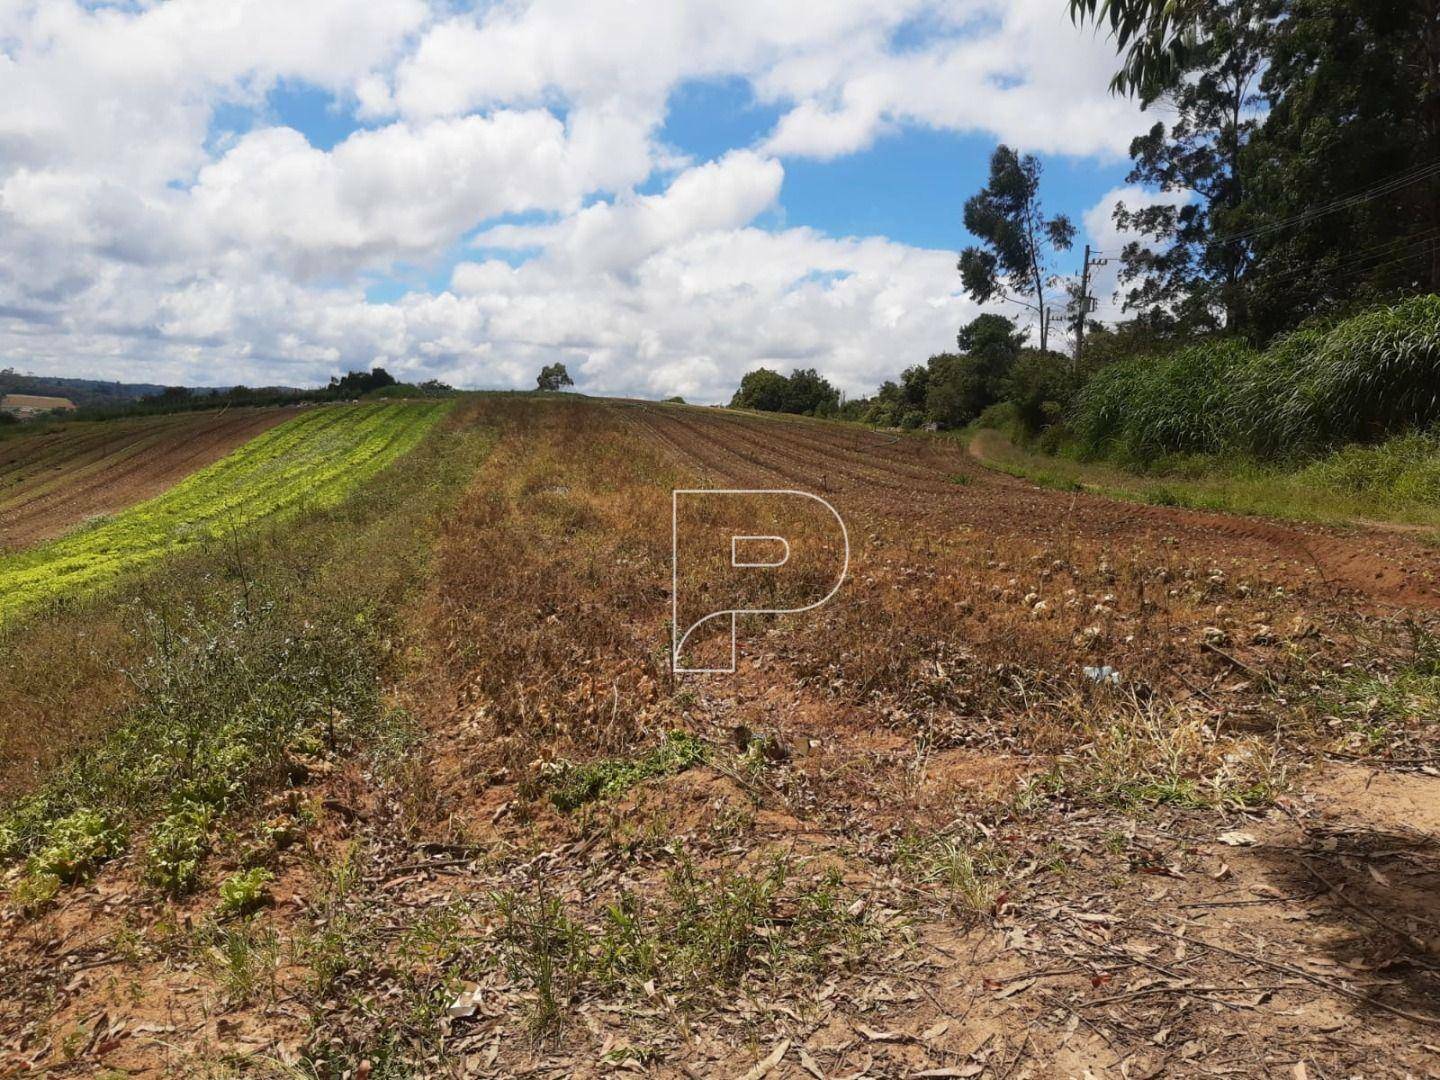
x,y
76,846
312,461
263,659
702,932
1145,755
1388,708
245,891
244,960
971,871
576,785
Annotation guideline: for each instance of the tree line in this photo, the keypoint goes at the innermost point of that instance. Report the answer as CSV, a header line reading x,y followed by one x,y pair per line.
x,y
1308,132
1299,141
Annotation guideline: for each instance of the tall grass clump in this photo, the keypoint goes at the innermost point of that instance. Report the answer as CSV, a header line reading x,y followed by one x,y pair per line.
x,y
1140,409
1102,410
1366,379
1375,375
1270,409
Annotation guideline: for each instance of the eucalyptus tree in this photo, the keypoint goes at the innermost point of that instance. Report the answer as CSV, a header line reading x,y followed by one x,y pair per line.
x,y
1017,239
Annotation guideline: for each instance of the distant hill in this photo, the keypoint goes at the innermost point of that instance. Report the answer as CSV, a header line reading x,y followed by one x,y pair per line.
x,y
80,391
86,392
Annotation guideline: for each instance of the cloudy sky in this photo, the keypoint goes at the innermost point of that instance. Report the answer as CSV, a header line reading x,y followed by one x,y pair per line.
x,y
661,194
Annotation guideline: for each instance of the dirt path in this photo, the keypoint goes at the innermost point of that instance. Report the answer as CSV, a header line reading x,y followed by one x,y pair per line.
x,y
53,482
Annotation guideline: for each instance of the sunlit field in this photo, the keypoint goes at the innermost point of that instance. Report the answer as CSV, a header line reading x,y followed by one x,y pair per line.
x,y
312,460
409,769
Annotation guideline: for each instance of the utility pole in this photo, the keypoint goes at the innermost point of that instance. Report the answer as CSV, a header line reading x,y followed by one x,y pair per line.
x,y
1084,303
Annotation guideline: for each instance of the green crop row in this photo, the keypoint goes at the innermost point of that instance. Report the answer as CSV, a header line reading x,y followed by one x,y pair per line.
x,y
309,462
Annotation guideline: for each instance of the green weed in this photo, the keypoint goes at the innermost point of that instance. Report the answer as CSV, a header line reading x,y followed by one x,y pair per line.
x,y
1145,756
1377,712
705,931
576,785
545,947
243,959
971,871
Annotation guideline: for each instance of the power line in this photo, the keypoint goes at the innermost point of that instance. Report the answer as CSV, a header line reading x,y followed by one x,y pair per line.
x,y
1376,191
1372,261
1366,258
1385,187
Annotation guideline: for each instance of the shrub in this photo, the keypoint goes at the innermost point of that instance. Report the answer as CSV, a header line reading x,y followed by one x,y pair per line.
x,y
957,390
998,417
1042,386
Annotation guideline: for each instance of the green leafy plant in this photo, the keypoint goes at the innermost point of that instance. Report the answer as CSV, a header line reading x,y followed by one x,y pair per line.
x,y
545,947
245,891
78,844
178,845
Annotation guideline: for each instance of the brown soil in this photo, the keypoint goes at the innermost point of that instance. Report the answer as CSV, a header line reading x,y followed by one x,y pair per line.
x,y
1370,565
52,482
1131,935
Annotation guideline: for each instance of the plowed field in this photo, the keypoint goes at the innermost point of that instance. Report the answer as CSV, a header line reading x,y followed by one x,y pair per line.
x,y
51,482
1054,786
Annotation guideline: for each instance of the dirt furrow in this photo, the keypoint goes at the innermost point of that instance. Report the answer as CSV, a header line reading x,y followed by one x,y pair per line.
x,y
115,468
1355,564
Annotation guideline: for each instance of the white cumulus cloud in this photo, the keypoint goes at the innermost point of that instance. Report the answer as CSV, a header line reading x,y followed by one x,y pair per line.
x,y
160,222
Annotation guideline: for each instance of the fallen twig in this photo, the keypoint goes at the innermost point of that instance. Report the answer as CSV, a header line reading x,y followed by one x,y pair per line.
x,y
1275,965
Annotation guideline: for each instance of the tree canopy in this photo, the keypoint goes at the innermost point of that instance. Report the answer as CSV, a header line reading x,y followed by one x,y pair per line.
x,y
553,377
1154,36
1306,136
356,383
804,392
1017,240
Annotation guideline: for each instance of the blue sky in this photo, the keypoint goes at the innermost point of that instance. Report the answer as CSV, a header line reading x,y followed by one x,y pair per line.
x,y
909,186
661,195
